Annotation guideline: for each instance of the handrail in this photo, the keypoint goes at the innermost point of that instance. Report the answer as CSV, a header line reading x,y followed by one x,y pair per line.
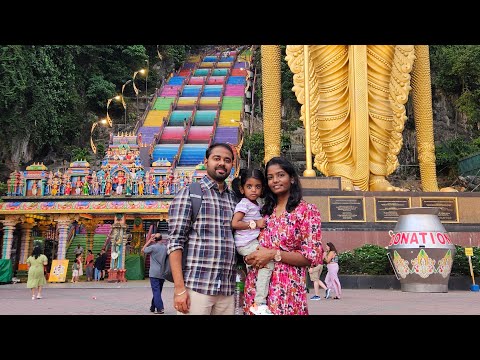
x,y
70,235
194,112
161,130
252,105
214,129
107,240
141,121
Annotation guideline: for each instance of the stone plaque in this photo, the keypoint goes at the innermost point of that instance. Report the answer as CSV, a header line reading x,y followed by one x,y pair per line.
x,y
346,208
386,208
448,208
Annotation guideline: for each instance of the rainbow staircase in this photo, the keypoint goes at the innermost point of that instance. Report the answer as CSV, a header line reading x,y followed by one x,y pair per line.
x,y
99,238
200,104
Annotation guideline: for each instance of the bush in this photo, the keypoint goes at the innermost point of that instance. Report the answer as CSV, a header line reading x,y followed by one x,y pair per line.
x,y
366,260
460,262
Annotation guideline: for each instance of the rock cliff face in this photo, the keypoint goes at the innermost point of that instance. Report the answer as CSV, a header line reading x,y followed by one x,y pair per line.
x,y
14,152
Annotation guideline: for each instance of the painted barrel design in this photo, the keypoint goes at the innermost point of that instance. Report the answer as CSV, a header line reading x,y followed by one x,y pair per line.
x,y
421,251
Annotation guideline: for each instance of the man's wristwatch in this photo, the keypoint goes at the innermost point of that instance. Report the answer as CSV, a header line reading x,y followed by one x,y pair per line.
x,y
278,256
252,224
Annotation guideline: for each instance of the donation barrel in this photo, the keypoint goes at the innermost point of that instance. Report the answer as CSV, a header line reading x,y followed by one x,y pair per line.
x,y
421,251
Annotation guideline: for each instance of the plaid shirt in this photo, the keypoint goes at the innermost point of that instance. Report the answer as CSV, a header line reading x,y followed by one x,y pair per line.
x,y
211,253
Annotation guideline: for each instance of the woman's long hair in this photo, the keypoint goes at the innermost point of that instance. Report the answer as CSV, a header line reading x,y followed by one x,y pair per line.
x,y
332,247
295,190
242,178
37,251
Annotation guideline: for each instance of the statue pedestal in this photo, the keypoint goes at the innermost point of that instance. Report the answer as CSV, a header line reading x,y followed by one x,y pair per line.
x,y
121,275
116,275
112,275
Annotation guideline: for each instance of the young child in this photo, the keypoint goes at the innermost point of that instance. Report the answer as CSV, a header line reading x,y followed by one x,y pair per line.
x,y
75,268
247,223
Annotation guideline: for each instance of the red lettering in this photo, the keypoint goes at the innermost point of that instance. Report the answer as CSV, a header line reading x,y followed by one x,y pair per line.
x,y
447,238
397,239
422,234
440,238
432,238
391,240
405,238
414,238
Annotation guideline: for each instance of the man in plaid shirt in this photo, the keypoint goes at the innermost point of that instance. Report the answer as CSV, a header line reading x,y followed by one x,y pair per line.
x,y
206,286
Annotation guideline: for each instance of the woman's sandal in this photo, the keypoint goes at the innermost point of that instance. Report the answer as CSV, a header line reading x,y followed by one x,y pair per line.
x,y
336,298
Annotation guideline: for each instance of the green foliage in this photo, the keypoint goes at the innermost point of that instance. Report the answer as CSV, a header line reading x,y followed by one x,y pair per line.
x,y
460,262
287,79
3,188
100,150
80,154
49,92
176,54
99,91
450,152
368,260
456,70
348,263
255,143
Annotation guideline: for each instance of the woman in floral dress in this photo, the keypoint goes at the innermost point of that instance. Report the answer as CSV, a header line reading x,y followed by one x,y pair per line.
x,y
292,238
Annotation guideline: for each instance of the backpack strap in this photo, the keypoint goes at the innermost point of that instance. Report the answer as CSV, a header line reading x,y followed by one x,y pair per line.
x,y
196,196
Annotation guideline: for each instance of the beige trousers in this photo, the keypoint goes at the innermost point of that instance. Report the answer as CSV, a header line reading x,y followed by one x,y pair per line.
x,y
201,304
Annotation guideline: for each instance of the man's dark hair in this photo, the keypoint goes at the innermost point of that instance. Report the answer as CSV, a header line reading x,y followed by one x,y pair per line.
x,y
158,236
213,146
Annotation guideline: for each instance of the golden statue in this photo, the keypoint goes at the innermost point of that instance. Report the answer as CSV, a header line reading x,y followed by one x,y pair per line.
x,y
355,109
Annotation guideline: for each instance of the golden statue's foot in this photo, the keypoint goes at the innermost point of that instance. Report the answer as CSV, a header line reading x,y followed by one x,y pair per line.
x,y
347,184
379,183
448,189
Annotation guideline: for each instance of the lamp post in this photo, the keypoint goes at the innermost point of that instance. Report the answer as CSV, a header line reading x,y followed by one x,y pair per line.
x,y
123,101
109,120
143,72
94,125
146,83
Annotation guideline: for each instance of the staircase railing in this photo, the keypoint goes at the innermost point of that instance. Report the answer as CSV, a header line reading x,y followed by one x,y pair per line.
x,y
214,130
141,121
70,234
106,244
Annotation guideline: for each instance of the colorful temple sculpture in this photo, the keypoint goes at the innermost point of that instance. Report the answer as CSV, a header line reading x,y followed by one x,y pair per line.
x,y
114,206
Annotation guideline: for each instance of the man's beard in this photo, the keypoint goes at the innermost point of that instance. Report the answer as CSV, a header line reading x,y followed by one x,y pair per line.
x,y
219,178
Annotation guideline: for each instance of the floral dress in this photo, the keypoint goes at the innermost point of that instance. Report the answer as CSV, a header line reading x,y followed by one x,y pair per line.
x,y
298,231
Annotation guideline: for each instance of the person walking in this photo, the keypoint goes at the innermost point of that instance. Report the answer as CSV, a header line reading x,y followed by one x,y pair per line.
x,y
315,273
158,252
206,285
78,250
291,237
36,276
332,281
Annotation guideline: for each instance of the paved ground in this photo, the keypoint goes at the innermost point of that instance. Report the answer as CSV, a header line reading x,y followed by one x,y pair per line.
x,y
133,298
